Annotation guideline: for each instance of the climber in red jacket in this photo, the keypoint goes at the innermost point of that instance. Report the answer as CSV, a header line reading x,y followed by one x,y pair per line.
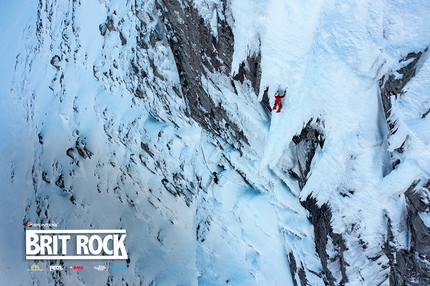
x,y
278,99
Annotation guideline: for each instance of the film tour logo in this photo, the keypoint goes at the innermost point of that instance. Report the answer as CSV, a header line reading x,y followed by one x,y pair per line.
x,y
30,224
75,244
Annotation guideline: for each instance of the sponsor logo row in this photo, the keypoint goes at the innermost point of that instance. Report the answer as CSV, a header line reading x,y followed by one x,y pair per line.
x,y
36,267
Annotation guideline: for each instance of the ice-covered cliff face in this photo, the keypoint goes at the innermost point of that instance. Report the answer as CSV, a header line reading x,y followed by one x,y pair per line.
x,y
121,111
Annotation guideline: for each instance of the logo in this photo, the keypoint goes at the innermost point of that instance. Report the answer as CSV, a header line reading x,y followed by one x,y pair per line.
x,y
55,267
119,267
100,268
75,244
34,267
30,224
77,267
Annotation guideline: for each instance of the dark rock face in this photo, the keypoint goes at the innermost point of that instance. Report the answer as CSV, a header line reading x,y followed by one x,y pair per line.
x,y
417,201
408,266
321,217
411,266
392,86
250,70
294,270
265,100
196,57
306,143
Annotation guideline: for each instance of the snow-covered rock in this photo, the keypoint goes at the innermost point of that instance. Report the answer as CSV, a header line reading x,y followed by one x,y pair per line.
x,y
116,114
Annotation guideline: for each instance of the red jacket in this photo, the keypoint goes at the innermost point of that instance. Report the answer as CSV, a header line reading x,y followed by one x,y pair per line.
x,y
279,97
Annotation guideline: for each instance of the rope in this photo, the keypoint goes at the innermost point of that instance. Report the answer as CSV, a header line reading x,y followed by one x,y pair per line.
x,y
238,184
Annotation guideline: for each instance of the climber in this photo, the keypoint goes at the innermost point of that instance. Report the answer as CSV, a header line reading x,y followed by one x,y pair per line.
x,y
278,99
215,178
